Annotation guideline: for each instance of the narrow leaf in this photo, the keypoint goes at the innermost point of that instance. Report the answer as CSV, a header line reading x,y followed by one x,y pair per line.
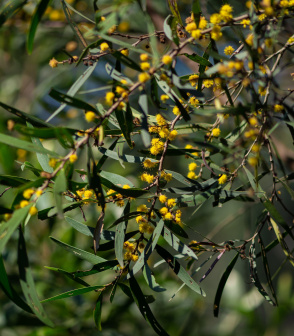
x,y
98,311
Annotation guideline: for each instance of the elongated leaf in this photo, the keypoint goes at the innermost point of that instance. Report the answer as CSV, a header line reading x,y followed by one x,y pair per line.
x,y
143,102
179,246
256,187
121,118
144,307
116,74
25,116
36,18
69,275
222,284
98,268
195,201
170,29
277,216
12,181
60,186
28,146
98,311
198,59
150,279
126,61
10,9
254,276
90,257
120,236
149,248
173,5
179,270
282,242
124,157
27,282
44,133
52,211
73,293
5,285
88,48
7,228
183,111
74,89
203,67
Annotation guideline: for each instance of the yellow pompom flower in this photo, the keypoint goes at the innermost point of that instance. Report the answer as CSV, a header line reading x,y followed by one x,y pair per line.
x,y
109,98
215,19
245,23
164,98
162,198
253,121
193,79
143,77
88,194
229,50
171,202
278,108
39,192
53,63
255,148
144,57
191,26
226,13
73,158
196,34
160,120
216,33
191,175
28,193
249,40
90,116
172,135
167,59
166,176
208,83
253,161
125,52
192,166
193,101
134,257
202,23
142,207
216,132
223,179
148,164
33,210
147,178
145,66
168,216
163,211
123,27
104,46
176,111
23,203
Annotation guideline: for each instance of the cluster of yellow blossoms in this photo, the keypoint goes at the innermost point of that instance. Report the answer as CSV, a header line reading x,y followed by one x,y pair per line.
x,y
167,211
116,197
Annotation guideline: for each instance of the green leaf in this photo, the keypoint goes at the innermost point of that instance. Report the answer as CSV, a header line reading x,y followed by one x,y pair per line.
x,y
122,121
101,267
87,49
194,200
126,290
98,311
179,246
90,257
124,157
222,284
179,270
10,9
27,282
183,111
150,279
198,59
116,74
120,236
143,306
143,103
74,89
6,287
170,29
196,10
7,228
203,67
254,276
69,100
36,18
28,146
52,211
73,293
277,216
60,186
44,133
255,186
149,248
126,61
175,11
69,275
12,181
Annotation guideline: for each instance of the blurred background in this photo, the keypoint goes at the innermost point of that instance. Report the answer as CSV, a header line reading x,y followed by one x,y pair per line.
x,y
25,81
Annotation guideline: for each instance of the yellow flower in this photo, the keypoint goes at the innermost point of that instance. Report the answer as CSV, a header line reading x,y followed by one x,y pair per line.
x,y
226,12
162,198
253,121
176,111
73,158
140,219
172,135
168,216
166,59
245,22
164,97
129,246
120,203
33,210
196,34
190,27
262,91
144,57
128,256
253,161
216,33
53,63
193,101
166,176
193,79
104,46
229,50
163,211
192,166
28,193
160,120
142,207
147,178
249,40
278,108
208,83
215,19
90,116
134,257
216,132
52,162
255,148
124,26
23,203
143,77
191,175
125,52
171,202
290,40
223,179
39,192
109,98
88,194
145,66
164,132
202,23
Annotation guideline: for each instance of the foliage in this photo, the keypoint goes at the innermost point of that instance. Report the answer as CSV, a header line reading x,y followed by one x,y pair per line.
x,y
138,146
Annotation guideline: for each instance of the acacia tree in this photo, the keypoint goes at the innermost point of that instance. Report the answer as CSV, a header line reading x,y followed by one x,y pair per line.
x,y
218,121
